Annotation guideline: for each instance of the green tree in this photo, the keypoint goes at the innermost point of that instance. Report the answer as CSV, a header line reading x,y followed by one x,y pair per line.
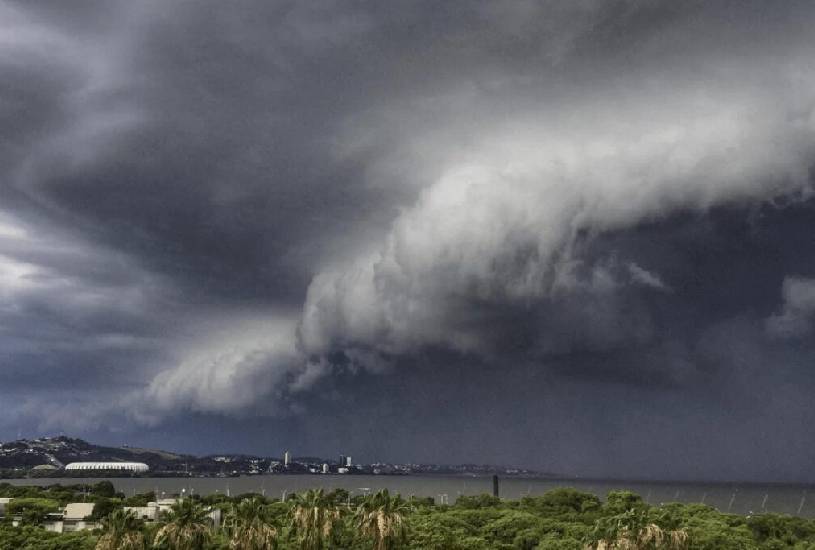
x,y
619,502
140,499
32,511
509,525
313,519
339,497
36,538
477,501
103,507
383,518
632,530
564,502
186,527
121,531
103,489
434,529
559,543
249,526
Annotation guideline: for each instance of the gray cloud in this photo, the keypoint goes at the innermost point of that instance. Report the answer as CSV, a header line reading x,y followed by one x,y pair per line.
x,y
501,222
213,211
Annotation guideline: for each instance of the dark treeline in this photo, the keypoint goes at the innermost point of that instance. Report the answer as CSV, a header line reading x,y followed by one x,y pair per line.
x,y
562,519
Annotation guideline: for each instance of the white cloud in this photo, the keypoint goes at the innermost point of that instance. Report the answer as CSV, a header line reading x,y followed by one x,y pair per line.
x,y
502,223
228,370
797,310
645,277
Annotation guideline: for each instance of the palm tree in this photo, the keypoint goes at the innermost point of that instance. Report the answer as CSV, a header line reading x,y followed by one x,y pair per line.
x,y
383,518
122,531
186,527
313,518
633,531
250,526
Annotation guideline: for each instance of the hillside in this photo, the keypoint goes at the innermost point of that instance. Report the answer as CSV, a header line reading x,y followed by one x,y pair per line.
x,y
47,457
25,454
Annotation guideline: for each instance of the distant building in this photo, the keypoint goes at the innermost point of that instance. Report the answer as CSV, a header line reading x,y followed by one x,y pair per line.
x,y
4,501
165,504
348,462
146,513
108,466
286,458
325,468
153,511
72,518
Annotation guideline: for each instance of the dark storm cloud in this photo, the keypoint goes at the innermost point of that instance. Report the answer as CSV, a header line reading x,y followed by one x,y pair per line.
x,y
66,305
254,211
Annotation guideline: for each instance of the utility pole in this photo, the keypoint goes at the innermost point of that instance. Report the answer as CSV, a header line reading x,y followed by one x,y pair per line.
x,y
732,500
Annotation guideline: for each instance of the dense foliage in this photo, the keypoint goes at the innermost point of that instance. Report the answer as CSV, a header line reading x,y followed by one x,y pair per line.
x,y
562,519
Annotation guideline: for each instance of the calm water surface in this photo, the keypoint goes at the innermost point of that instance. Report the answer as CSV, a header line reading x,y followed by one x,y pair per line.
x,y
739,499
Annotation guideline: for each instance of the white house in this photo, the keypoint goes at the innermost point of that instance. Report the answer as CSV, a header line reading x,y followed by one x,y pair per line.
x,y
72,518
4,501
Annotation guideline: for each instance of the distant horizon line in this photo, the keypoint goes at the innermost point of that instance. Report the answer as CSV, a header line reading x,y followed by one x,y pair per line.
x,y
535,472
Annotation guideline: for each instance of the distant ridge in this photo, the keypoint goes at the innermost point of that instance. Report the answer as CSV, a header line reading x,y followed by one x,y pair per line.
x,y
61,450
20,458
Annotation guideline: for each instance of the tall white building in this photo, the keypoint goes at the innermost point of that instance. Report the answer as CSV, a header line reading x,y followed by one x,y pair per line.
x,y
348,462
286,458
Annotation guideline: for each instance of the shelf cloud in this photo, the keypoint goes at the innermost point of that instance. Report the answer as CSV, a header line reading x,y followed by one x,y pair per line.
x,y
256,216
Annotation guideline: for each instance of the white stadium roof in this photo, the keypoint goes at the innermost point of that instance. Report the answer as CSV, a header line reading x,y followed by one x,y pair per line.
x,y
127,466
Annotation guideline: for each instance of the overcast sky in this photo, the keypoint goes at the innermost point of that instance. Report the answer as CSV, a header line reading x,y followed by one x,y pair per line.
x,y
576,236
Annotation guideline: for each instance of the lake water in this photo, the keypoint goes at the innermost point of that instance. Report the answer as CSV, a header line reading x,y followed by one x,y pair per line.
x,y
736,498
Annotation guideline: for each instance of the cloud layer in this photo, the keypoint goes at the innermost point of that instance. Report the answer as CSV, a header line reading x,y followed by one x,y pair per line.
x,y
267,213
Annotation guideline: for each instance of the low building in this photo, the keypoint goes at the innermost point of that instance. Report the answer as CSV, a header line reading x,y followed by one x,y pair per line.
x,y
139,467
154,510
4,502
164,504
74,517
147,513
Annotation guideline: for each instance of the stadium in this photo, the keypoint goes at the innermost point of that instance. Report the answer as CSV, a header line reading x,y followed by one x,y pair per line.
x,y
108,466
